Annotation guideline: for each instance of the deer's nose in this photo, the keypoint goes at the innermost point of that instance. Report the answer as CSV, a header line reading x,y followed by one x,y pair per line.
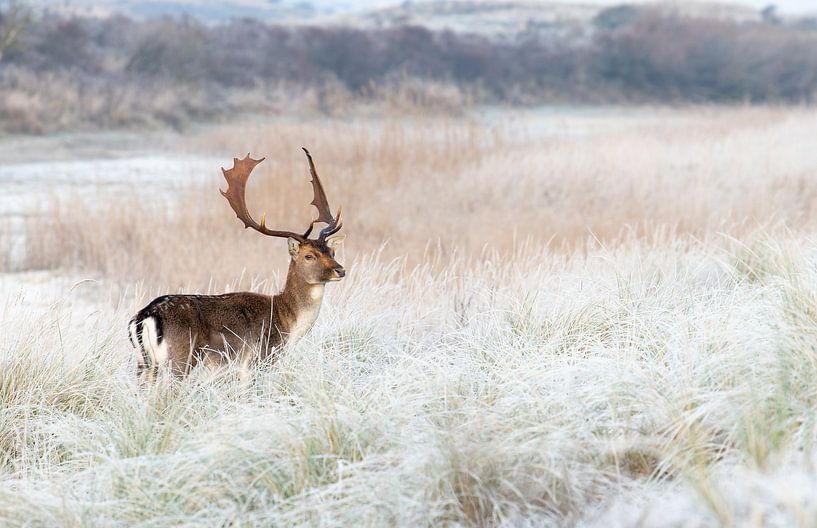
x,y
340,271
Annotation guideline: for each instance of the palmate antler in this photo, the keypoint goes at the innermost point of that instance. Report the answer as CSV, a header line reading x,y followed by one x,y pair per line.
x,y
333,225
237,178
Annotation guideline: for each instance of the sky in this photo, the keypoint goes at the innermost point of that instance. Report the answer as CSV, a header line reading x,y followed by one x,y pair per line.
x,y
791,7
784,6
787,6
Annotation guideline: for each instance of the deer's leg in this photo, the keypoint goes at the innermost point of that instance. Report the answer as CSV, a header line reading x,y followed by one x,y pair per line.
x,y
181,345
211,359
245,369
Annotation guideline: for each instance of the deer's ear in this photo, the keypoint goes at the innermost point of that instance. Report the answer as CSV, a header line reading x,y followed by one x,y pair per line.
x,y
293,247
335,241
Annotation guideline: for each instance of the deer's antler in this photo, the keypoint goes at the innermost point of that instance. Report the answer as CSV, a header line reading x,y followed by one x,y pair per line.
x,y
333,224
237,178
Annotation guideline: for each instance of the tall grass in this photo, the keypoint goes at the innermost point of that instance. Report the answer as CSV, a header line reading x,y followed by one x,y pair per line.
x,y
446,185
533,387
536,329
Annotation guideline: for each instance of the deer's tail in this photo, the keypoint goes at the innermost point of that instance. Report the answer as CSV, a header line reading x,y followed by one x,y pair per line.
x,y
145,332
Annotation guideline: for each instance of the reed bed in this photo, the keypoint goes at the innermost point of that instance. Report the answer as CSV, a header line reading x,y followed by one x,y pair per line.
x,y
420,185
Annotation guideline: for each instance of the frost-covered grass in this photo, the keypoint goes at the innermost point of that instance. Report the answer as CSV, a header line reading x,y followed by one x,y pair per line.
x,y
662,383
659,375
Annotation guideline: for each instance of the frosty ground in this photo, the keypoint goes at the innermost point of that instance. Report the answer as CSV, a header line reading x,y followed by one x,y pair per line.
x,y
610,327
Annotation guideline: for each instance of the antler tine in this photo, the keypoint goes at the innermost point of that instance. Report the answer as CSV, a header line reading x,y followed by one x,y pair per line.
x,y
237,178
332,228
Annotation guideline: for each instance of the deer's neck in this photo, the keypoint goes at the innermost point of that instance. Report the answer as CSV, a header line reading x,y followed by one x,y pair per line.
x,y
297,306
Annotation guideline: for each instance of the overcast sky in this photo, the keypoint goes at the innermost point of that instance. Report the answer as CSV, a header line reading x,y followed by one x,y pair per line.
x,y
794,7
789,6
786,6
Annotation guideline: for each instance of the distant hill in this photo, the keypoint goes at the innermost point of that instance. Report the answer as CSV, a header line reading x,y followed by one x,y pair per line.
x,y
559,20
498,18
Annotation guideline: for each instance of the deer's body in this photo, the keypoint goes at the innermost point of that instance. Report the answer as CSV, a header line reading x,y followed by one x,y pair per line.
x,y
178,332
181,331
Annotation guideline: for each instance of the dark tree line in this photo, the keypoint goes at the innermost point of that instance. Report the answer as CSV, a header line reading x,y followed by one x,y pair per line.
x,y
633,54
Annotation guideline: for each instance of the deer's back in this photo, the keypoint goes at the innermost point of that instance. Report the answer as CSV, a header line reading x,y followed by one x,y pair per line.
x,y
228,310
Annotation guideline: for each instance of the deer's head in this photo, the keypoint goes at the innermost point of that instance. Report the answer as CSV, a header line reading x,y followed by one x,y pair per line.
x,y
315,261
313,258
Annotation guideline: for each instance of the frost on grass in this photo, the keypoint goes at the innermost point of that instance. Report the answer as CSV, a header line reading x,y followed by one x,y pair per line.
x,y
664,384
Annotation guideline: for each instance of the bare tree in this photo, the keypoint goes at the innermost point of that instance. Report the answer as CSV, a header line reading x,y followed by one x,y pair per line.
x,y
14,19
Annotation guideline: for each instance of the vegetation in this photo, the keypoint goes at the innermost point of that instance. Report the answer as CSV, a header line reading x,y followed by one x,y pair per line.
x,y
627,386
60,73
443,185
595,318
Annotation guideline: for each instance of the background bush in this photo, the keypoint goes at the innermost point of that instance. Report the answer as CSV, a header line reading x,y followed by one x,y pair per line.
x,y
169,71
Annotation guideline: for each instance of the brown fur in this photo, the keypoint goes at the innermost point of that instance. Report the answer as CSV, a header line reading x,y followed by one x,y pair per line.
x,y
213,329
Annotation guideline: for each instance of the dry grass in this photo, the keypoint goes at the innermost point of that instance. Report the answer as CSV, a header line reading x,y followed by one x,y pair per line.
x,y
658,374
453,185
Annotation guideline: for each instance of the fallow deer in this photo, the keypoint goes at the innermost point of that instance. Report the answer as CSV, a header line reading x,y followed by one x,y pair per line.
x,y
177,332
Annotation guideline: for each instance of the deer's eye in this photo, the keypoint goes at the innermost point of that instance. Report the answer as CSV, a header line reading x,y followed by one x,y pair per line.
x,y
309,257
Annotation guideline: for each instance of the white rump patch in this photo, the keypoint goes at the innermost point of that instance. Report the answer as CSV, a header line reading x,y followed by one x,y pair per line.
x,y
150,338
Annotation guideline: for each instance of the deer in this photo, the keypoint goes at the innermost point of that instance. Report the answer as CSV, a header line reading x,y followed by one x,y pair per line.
x,y
175,333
